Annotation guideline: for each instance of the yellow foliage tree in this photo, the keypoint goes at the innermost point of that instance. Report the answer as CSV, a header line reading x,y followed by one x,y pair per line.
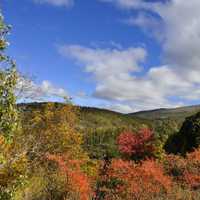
x,y
51,132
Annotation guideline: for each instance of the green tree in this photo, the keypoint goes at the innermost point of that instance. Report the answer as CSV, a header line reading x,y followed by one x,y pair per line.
x,y
187,139
8,81
12,158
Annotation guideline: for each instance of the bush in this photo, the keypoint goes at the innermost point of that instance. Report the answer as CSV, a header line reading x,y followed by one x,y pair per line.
x,y
127,180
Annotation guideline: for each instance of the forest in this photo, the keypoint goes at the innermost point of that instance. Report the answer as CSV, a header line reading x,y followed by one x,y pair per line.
x,y
59,151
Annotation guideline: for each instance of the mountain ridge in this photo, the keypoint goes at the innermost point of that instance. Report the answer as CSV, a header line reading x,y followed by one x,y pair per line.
x,y
102,116
164,113
152,114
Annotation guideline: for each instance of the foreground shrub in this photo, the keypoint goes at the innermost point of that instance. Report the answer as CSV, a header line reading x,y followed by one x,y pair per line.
x,y
77,183
127,180
185,171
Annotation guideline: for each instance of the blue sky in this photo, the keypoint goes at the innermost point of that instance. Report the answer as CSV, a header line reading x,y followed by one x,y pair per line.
x,y
124,55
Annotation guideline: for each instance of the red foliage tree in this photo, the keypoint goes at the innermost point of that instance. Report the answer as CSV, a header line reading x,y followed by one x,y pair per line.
x,y
136,146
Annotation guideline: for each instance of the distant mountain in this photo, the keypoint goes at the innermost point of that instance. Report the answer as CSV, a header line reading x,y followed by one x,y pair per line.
x,y
103,117
174,113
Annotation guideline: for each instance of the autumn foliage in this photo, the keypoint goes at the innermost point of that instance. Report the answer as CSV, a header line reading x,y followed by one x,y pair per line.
x,y
127,180
185,171
136,145
78,184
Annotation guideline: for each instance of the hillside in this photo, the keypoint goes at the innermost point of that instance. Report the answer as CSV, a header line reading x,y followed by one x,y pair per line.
x,y
102,118
99,127
175,113
95,118
164,122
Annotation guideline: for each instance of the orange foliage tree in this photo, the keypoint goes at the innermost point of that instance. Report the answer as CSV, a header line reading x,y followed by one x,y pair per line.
x,y
77,183
185,171
127,180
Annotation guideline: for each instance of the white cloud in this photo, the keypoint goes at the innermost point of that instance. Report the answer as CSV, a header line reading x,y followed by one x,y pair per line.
x,y
48,89
152,26
135,4
122,108
115,73
182,36
66,3
180,31
27,89
143,20
106,63
132,107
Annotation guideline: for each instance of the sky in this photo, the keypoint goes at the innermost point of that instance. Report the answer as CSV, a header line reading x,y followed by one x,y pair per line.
x,y
123,55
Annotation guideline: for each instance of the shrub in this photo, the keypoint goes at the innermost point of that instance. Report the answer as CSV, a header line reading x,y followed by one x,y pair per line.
x,y
127,180
185,171
77,183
